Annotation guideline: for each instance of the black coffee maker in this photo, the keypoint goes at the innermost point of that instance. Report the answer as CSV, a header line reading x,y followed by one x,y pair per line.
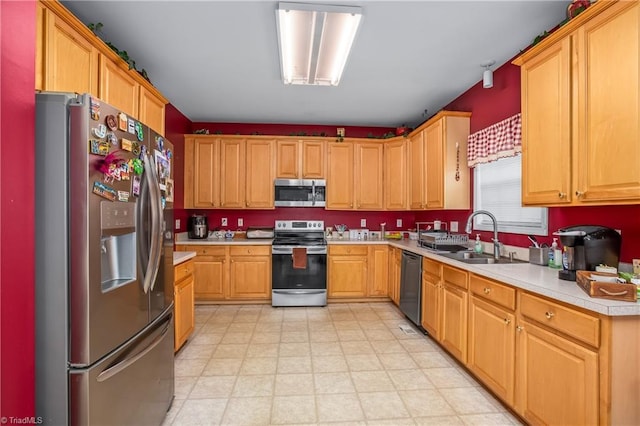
x,y
588,246
198,227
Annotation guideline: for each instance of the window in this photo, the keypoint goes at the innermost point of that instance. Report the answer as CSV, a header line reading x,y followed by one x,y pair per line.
x,y
498,189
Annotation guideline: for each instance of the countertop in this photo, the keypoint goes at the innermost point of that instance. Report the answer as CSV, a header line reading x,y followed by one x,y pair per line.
x,y
182,256
527,276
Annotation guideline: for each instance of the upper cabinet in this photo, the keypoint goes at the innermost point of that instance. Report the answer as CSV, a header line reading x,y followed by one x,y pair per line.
x,y
260,173
70,58
581,110
395,174
340,176
438,171
300,159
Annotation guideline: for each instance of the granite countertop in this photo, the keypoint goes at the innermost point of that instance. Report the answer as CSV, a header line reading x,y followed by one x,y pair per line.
x,y
182,256
183,238
534,278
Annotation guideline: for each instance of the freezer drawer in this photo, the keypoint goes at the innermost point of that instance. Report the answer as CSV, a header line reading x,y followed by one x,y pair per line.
x,y
133,386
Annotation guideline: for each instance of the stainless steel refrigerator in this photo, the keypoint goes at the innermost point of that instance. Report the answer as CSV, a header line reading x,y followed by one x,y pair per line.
x,y
104,265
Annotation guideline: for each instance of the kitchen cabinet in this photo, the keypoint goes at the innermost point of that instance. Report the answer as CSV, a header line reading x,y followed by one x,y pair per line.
x,y
260,173
580,102
184,306
395,268
378,266
395,174
118,87
201,172
438,171
492,335
354,179
431,303
300,159
454,312
232,173
250,272
65,60
347,271
151,109
211,278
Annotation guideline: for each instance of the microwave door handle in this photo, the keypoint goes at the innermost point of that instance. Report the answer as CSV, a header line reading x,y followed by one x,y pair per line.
x,y
313,192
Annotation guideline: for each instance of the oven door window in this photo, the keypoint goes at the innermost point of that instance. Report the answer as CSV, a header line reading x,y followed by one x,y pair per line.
x,y
285,277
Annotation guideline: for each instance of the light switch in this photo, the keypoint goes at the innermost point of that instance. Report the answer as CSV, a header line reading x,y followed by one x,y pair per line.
x,y
398,223
240,222
224,221
363,223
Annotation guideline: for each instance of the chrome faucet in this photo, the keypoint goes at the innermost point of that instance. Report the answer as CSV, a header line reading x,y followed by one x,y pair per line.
x,y
496,243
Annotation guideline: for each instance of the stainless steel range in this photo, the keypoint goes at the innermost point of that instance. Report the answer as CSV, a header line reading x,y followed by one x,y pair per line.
x,y
299,264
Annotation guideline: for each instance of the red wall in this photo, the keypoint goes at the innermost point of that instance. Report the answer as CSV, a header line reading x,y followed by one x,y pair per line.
x,y
290,129
176,126
489,106
17,115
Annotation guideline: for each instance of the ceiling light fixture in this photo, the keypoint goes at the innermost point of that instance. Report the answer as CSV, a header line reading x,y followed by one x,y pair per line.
x,y
487,75
315,41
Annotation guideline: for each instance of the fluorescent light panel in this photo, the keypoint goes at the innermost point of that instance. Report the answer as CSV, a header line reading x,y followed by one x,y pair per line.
x,y
315,41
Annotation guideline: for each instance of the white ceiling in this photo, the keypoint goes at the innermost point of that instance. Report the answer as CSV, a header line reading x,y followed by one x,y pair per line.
x,y
217,61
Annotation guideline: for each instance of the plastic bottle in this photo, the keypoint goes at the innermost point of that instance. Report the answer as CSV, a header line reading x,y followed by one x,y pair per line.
x,y
478,245
558,257
552,253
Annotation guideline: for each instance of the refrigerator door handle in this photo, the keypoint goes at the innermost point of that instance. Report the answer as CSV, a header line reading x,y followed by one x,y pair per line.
x,y
122,365
151,270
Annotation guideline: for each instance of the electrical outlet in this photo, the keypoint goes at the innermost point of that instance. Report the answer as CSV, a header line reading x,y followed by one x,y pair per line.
x,y
363,223
398,223
177,223
240,222
224,221
454,226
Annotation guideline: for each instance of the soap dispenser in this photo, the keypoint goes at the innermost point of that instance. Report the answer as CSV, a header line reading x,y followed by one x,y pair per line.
x,y
478,246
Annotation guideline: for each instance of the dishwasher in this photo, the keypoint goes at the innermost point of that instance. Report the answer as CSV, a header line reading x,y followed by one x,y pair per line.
x,y
410,286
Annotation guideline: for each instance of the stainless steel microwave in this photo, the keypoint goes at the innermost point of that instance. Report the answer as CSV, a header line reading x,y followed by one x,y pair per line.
x,y
300,192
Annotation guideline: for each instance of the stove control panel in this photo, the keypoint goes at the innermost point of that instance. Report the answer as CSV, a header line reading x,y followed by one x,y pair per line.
x,y
299,225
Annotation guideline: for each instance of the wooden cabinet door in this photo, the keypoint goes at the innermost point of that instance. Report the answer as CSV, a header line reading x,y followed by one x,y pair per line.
x,y
201,172
184,311
416,166
492,347
151,110
260,173
395,264
454,321
608,104
378,281
434,164
250,277
395,175
431,298
69,60
557,379
368,176
287,159
340,176
546,126
347,276
210,277
232,173
118,88
314,159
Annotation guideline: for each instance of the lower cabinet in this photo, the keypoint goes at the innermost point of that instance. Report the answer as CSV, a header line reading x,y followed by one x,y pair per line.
x,y
378,267
395,266
454,312
250,272
347,271
431,297
184,303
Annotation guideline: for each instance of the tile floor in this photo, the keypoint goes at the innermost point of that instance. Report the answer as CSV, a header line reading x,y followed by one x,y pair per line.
x,y
345,363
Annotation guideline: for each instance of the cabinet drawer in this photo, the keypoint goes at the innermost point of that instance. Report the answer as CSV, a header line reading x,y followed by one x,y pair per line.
x,y
493,291
204,250
250,250
354,250
455,276
431,267
182,270
578,325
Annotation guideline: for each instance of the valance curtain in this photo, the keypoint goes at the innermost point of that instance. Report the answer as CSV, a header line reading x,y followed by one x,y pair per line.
x,y
503,139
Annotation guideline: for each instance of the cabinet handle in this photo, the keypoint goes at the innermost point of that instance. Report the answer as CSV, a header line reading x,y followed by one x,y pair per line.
x,y
579,193
562,195
549,315
232,261
487,290
519,328
507,321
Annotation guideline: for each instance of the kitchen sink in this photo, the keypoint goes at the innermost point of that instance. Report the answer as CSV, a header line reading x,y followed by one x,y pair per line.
x,y
478,258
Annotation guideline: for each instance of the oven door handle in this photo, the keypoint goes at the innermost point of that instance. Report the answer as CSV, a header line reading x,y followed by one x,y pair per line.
x,y
311,250
299,291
